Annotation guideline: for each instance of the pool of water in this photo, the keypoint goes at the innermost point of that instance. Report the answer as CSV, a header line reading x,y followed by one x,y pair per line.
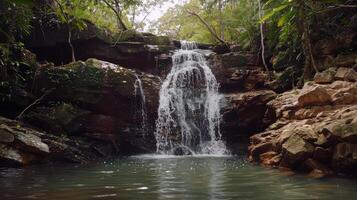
x,y
161,177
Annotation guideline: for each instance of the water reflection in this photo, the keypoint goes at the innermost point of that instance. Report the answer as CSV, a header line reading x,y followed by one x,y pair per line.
x,y
167,178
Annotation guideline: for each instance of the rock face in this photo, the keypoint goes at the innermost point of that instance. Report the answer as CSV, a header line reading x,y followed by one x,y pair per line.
x,y
22,145
130,49
86,110
245,89
246,113
237,72
96,99
315,131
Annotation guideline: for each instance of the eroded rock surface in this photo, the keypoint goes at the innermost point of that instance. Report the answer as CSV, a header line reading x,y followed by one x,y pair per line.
x,y
315,131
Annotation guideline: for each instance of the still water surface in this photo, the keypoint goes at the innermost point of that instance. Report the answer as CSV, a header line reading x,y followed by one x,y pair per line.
x,y
155,177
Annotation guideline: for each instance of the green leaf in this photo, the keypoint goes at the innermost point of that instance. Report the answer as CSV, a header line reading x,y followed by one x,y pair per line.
x,y
273,12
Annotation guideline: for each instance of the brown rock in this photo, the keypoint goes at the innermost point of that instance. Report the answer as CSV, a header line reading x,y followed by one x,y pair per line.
x,y
314,96
260,149
295,150
250,108
10,156
347,95
316,169
322,155
346,74
325,77
342,159
344,129
346,60
270,158
5,136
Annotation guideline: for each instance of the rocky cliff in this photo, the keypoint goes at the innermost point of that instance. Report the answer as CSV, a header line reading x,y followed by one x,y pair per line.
x,y
316,128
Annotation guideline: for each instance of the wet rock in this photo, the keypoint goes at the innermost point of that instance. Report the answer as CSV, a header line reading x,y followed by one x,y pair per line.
x,y
323,155
344,157
5,135
270,158
295,150
10,156
182,151
21,146
245,113
316,169
257,151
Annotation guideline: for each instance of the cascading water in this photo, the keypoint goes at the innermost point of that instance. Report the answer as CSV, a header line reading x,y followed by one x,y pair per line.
x,y
139,92
189,114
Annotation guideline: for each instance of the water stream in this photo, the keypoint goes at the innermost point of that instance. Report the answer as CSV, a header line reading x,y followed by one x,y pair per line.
x,y
167,177
189,115
139,92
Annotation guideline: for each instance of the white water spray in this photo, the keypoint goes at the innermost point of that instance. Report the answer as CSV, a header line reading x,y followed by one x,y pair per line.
x,y
139,91
189,114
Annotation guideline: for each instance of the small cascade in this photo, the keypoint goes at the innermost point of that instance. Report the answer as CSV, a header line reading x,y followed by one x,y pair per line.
x,y
189,115
139,92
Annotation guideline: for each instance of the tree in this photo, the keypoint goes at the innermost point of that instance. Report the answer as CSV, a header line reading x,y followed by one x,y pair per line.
x,y
212,21
71,13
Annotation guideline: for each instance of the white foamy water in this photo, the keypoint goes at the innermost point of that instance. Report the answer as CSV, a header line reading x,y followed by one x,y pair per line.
x,y
189,115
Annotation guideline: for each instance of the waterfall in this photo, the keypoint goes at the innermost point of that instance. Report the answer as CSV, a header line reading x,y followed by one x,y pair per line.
x,y
188,114
139,92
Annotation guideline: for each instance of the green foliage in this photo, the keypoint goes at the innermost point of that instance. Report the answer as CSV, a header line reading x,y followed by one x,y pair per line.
x,y
15,20
72,13
240,21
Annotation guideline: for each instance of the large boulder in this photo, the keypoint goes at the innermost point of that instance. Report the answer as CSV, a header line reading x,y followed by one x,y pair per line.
x,y
314,96
23,145
325,77
97,100
295,149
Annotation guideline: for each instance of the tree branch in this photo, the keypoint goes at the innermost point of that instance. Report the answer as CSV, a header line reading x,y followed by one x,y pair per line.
x,y
210,29
117,14
34,103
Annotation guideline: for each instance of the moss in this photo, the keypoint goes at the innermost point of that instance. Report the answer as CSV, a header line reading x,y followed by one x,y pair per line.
x,y
76,74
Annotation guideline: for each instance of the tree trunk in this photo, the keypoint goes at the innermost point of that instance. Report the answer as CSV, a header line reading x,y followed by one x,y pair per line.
x,y
209,28
116,10
261,28
303,28
221,23
118,14
70,44
133,18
